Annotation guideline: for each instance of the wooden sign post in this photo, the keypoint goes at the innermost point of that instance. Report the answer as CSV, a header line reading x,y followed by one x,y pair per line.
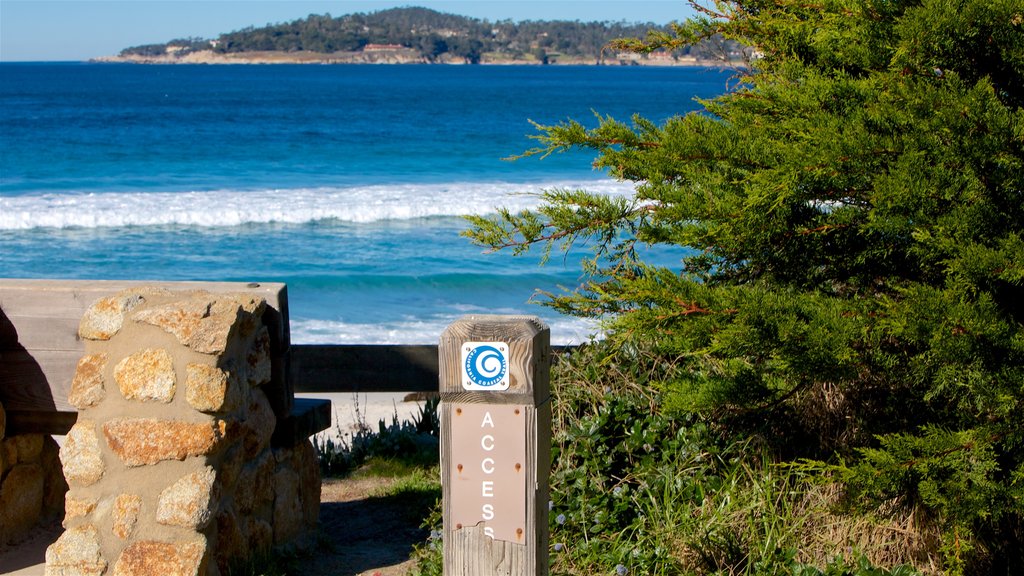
x,y
495,409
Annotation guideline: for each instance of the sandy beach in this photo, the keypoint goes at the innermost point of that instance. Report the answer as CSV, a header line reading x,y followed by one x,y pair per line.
x,y
348,410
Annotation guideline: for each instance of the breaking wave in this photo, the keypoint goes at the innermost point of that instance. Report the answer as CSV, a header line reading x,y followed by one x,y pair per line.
x,y
226,208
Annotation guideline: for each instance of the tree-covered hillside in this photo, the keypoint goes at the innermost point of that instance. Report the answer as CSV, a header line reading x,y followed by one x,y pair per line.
x,y
429,33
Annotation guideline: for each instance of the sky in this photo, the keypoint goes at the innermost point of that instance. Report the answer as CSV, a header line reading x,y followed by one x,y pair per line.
x,y
67,30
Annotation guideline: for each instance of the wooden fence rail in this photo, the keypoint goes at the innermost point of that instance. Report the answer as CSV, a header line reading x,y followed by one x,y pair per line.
x,y
326,368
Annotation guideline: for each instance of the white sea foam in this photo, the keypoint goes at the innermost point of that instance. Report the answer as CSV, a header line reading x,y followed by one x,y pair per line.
x,y
564,331
358,204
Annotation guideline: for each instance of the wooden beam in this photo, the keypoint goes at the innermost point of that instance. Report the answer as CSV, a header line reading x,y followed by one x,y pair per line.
x,y
363,368
39,422
368,367
308,416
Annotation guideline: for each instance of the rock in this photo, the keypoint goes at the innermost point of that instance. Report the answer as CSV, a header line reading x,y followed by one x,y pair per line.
x,y
76,553
106,316
21,501
55,486
231,467
259,424
190,502
258,359
207,388
255,484
308,467
29,447
288,517
76,506
252,312
202,322
126,514
142,441
259,533
232,545
146,375
80,455
152,558
8,454
87,386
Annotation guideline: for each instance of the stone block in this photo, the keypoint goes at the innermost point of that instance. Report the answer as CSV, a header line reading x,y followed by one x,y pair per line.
x,y
284,455
288,513
143,441
257,359
232,545
202,322
259,424
191,501
255,484
55,486
87,387
152,558
80,455
24,448
259,534
8,454
126,514
21,501
252,313
76,553
308,467
207,388
146,375
77,506
106,316
231,467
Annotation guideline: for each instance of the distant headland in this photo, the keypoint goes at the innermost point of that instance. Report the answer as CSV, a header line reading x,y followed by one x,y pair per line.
x,y
424,36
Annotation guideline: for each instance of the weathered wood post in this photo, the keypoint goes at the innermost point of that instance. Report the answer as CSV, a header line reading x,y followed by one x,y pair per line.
x,y
494,376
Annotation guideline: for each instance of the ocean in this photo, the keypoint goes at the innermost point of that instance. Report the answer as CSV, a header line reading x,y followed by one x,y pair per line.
x,y
347,182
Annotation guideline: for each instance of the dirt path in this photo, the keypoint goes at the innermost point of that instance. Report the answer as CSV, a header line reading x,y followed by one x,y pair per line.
x,y
362,534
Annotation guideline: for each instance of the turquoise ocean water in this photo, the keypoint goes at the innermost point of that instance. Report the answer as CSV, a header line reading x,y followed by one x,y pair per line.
x,y
345,182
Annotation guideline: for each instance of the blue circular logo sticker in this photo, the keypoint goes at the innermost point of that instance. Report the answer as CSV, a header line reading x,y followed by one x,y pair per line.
x,y
485,365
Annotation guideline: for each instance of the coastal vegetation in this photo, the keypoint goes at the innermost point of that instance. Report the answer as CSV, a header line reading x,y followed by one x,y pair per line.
x,y
421,34
831,380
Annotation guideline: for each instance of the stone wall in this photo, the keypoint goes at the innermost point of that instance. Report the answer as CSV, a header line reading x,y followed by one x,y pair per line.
x,y
170,465
31,485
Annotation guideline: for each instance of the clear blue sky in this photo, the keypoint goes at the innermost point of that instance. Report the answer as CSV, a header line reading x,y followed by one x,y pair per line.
x,y
82,29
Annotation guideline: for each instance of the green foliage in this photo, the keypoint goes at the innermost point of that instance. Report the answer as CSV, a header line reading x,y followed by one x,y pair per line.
x,y
615,469
632,487
429,555
855,210
635,487
860,567
412,442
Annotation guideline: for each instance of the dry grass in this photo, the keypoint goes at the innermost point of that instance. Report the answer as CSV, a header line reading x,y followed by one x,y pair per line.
x,y
889,536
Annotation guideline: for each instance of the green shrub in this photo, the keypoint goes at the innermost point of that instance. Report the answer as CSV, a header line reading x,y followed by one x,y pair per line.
x,y
854,214
654,492
414,441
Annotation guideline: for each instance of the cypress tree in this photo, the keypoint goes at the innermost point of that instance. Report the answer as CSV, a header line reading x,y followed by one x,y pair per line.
x,y
854,214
